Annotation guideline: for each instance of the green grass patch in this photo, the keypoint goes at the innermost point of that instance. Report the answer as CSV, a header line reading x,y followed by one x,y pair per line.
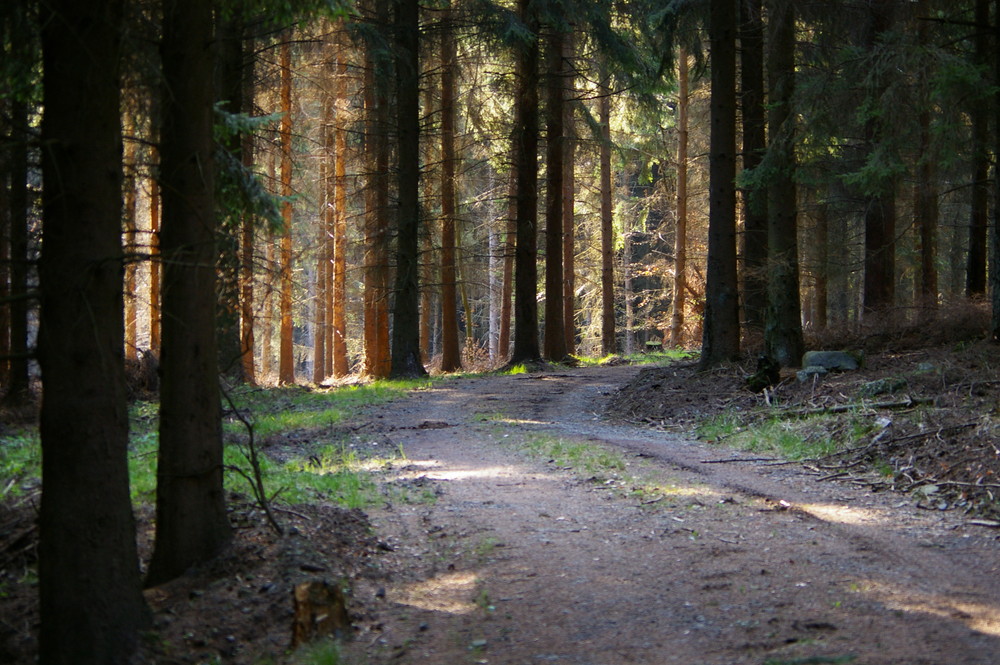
x,y
650,358
20,463
795,439
581,456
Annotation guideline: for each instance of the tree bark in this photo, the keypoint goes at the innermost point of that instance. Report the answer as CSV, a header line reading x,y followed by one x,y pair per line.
x,y
339,318
91,604
755,232
191,521
129,222
609,344
526,169
451,351
247,315
975,274
555,332
680,235
286,357
507,284
155,262
721,331
783,328
406,361
569,196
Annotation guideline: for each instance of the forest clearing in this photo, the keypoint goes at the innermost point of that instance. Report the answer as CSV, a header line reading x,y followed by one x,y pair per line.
x,y
514,518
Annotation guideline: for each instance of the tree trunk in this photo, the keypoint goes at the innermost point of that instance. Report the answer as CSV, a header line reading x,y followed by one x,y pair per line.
x,y
555,332
975,274
608,341
91,604
406,361
5,136
783,328
155,262
322,261
451,351
18,387
680,236
247,242
507,284
995,234
286,357
721,331
376,292
191,521
569,195
755,247
339,319
129,222
526,167
822,235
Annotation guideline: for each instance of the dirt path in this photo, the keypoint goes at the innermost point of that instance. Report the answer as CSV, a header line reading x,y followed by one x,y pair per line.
x,y
518,561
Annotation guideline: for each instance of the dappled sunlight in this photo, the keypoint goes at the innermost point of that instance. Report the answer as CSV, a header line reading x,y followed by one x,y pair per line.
x,y
453,593
981,617
831,512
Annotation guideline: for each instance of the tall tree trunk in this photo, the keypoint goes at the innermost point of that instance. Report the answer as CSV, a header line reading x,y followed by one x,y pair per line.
x,y
975,274
526,167
339,320
286,357
822,235
507,283
555,332
155,262
246,286
755,247
721,331
680,236
995,234
91,604
322,262
376,292
880,208
783,328
608,342
451,352
5,216
191,521
569,195
129,222
18,388
406,361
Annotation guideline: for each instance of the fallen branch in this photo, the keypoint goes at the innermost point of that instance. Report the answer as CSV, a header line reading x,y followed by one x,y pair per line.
x,y
841,408
738,459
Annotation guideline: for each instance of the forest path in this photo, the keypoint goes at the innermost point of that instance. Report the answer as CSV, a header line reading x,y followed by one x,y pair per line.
x,y
521,561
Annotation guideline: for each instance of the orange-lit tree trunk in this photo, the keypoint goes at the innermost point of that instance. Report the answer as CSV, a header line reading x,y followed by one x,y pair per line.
x,y
451,352
322,268
247,315
680,234
286,360
155,265
129,221
376,276
339,318
608,341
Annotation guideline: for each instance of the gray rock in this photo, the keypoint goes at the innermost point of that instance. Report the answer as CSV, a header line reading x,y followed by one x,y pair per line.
x,y
807,373
831,360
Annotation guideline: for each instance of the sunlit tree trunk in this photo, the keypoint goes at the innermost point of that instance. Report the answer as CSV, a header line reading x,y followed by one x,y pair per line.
x,y
680,234
526,167
322,269
90,601
155,264
129,222
608,342
286,359
555,332
451,352
339,319
507,281
191,521
721,329
247,315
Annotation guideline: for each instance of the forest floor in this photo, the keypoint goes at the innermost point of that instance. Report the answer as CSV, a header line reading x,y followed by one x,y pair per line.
x,y
571,515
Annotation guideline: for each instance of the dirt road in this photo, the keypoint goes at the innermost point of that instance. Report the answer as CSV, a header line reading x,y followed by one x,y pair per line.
x,y
524,561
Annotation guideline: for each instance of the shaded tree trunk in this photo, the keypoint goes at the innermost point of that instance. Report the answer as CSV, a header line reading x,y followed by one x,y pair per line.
x,y
451,352
129,222
822,265
91,604
406,361
191,521
526,169
755,216
680,235
721,331
507,281
555,332
783,329
975,273
569,196
155,263
4,243
608,342
286,358
995,235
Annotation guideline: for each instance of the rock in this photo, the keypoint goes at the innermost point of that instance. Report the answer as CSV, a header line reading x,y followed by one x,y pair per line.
x,y
831,360
808,373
